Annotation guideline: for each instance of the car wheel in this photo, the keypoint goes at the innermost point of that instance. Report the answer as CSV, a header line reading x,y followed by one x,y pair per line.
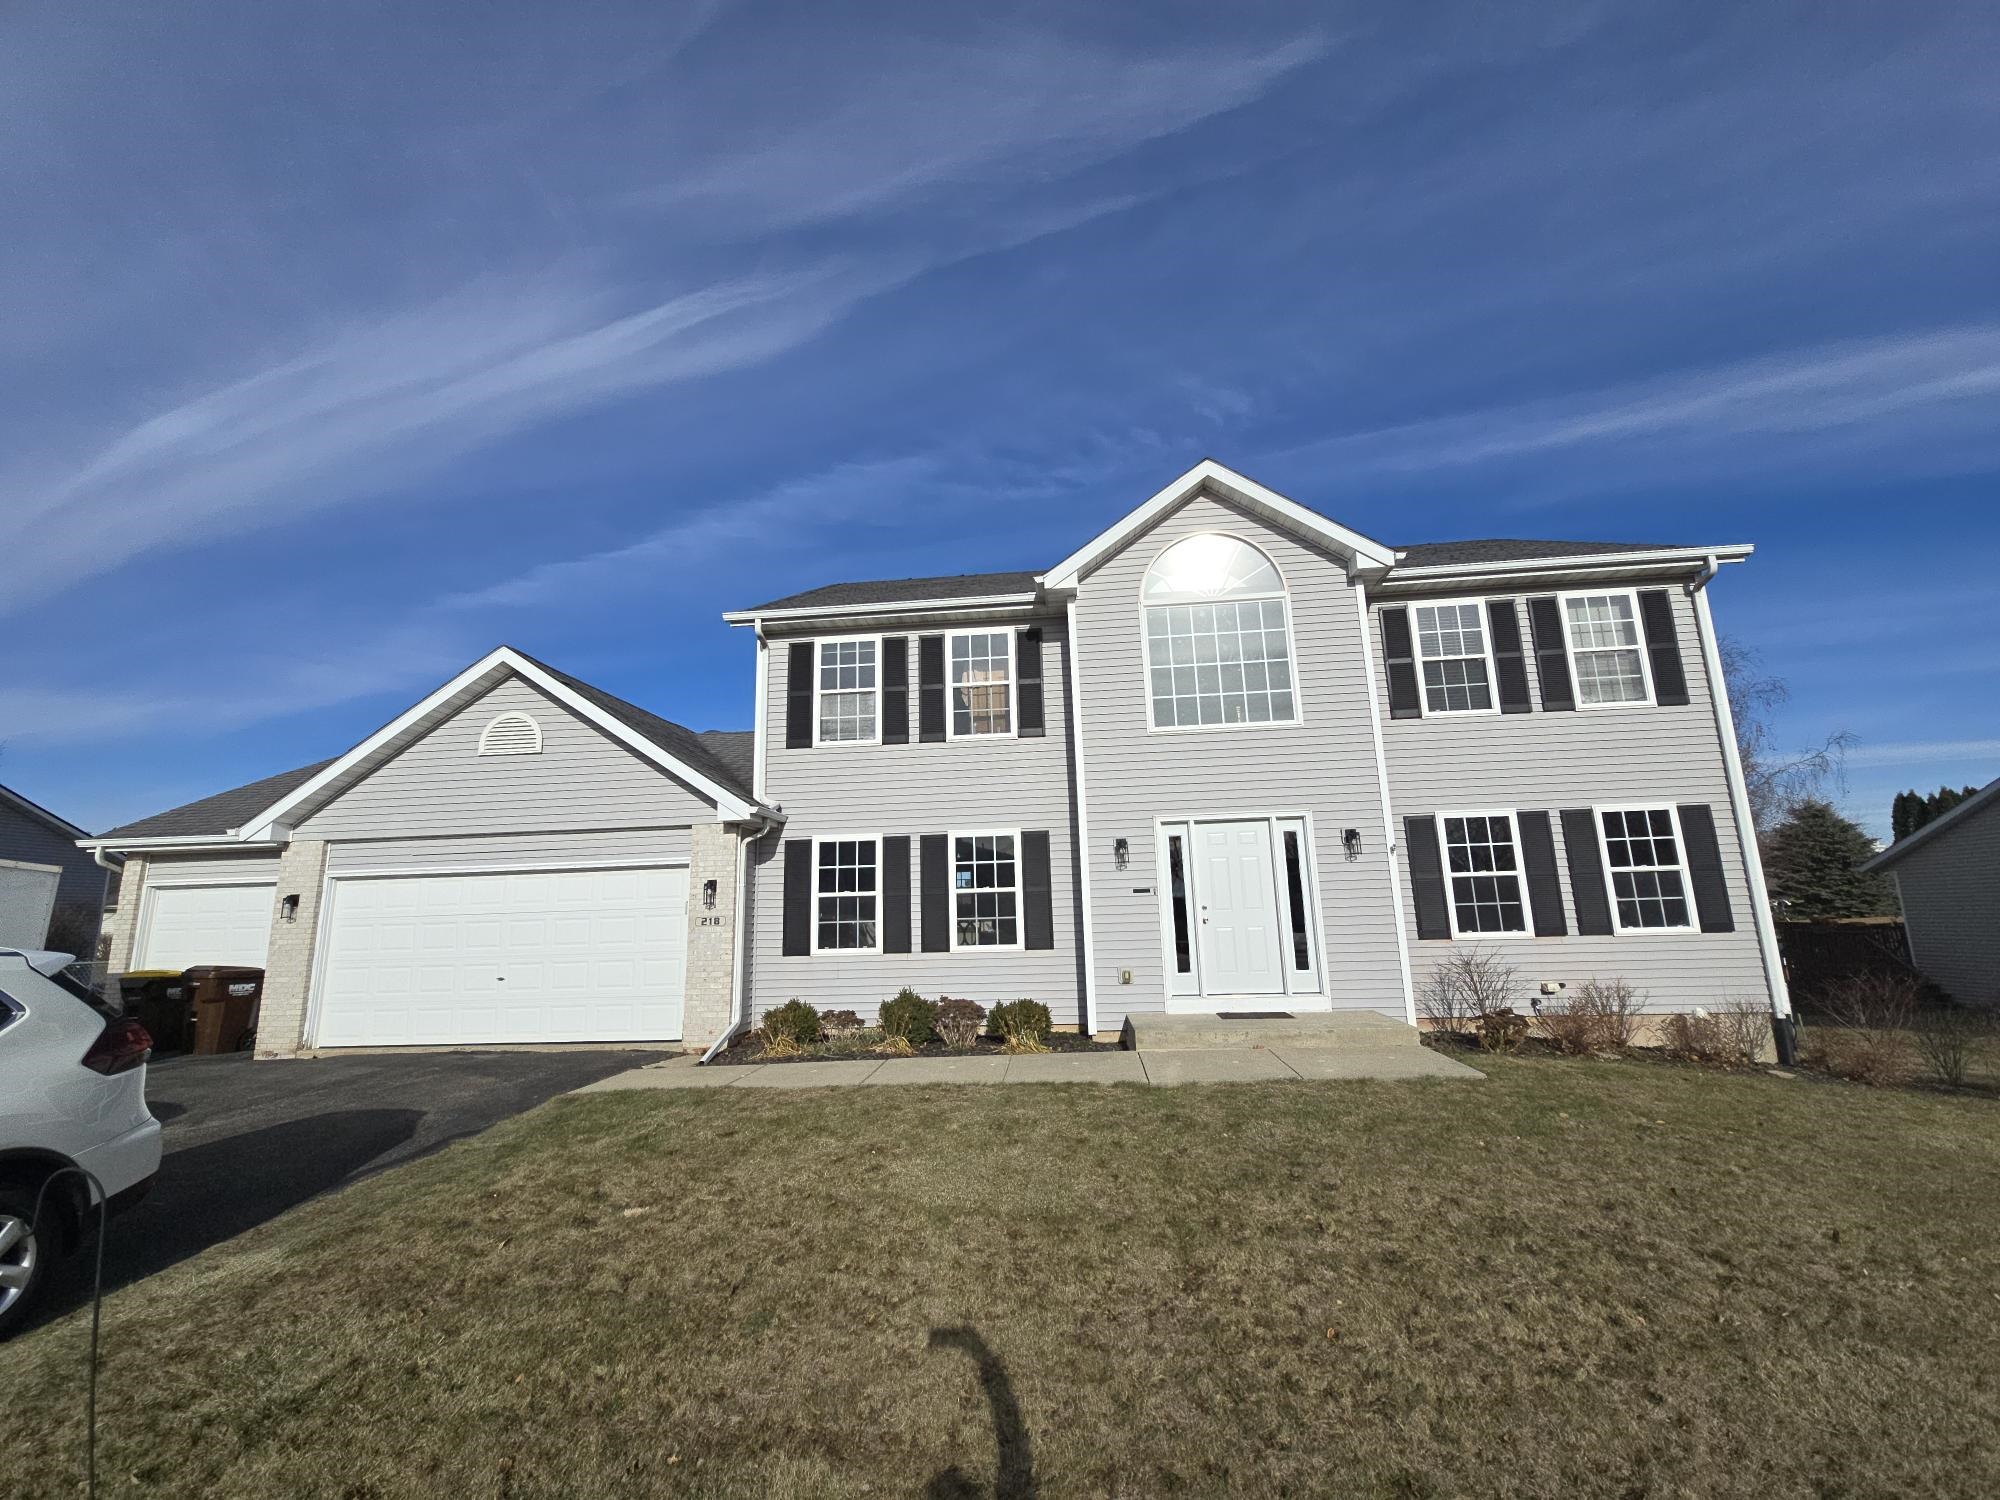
x,y
23,1257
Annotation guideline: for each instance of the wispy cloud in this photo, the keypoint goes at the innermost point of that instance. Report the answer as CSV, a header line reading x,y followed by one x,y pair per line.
x,y
1923,752
1816,405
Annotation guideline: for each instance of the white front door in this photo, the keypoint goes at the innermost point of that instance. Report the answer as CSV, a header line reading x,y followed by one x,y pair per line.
x,y
519,956
1237,906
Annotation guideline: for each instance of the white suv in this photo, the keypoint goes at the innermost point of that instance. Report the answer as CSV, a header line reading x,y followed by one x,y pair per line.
x,y
72,1094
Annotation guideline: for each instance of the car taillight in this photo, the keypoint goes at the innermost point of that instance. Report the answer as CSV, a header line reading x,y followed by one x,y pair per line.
x,y
120,1047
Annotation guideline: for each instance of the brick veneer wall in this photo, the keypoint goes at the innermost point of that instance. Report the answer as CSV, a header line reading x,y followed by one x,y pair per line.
x,y
288,968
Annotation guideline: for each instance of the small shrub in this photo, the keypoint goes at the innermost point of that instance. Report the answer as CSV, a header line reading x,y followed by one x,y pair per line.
x,y
959,1021
790,1028
1867,1040
1502,1029
837,1025
910,1017
892,1045
1465,987
1022,1025
1945,1036
1602,1016
1730,1036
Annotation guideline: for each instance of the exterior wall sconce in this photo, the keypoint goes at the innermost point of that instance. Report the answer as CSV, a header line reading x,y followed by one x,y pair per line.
x,y
1121,853
708,895
288,909
1350,840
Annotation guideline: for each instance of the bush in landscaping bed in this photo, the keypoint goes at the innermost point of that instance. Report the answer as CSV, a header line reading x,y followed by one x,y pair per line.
x,y
1023,1025
1946,1036
1728,1037
838,1024
1602,1016
959,1021
1502,1030
1465,987
790,1027
1867,1040
909,1018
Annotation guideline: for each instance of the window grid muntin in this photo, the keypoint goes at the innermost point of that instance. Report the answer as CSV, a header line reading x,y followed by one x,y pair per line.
x,y
846,690
980,705
986,890
1606,648
1233,567
1483,878
846,895
1453,648
1220,663
1645,860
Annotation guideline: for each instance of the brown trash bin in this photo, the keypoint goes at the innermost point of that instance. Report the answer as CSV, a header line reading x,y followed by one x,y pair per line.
x,y
225,1006
162,1001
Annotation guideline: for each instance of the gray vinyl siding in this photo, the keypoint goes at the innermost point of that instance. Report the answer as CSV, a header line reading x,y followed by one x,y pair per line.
x,y
667,846
1951,903
440,785
1324,767
1658,757
966,785
184,869
28,839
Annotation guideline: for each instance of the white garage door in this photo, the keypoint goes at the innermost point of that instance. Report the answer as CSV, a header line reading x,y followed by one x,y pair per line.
x,y
187,925
529,956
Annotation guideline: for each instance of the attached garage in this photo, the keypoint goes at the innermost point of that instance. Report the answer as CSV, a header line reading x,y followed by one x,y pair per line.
x,y
221,923
514,956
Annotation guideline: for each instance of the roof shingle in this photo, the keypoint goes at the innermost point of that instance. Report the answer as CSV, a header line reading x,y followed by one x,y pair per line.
x,y
221,812
1513,549
905,591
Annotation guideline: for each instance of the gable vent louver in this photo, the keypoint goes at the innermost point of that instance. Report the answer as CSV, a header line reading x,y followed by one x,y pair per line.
x,y
511,734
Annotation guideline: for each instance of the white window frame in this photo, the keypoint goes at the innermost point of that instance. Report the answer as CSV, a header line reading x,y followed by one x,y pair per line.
x,y
1513,818
1486,644
1570,650
1013,685
1020,902
1284,595
847,838
819,692
1673,812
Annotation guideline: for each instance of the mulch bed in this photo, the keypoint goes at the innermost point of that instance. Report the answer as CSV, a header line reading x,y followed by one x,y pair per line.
x,y
750,1049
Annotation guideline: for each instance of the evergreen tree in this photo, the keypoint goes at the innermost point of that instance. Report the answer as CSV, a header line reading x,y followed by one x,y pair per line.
x,y
1812,861
1905,815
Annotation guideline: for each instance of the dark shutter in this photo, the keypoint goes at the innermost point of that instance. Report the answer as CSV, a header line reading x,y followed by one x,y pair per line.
x,y
1400,658
934,858
1551,657
1704,861
1509,665
1028,691
896,894
1586,873
799,696
1038,911
1656,612
798,897
1420,838
930,688
896,691
1538,860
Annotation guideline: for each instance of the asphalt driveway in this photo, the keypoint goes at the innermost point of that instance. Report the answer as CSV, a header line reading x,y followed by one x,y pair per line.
x,y
246,1140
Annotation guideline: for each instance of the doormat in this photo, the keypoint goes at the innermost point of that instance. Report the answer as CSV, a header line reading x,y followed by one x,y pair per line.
x,y
1255,1015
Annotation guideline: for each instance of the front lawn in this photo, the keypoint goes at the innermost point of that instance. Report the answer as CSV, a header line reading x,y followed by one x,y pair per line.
x,y
1576,1278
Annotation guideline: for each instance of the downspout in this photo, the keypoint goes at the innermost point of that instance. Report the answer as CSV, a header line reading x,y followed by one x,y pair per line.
x,y
1784,1030
739,996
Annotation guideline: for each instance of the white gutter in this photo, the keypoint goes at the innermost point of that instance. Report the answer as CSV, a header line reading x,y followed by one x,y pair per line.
x,y
886,607
1739,795
1597,562
1390,854
1087,938
185,841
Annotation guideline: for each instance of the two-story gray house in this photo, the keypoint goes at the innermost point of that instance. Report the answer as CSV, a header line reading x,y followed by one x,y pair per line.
x,y
1228,755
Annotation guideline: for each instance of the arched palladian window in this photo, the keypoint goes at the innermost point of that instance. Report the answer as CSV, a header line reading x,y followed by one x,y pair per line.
x,y
1216,645
511,733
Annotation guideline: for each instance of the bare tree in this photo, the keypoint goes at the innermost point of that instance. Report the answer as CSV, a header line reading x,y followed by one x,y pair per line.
x,y
1777,780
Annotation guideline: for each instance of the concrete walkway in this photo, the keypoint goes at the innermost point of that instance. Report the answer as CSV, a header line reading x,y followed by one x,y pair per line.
x,y
1207,1065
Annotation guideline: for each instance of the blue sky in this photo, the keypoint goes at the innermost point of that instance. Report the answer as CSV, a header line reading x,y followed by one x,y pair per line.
x,y
346,342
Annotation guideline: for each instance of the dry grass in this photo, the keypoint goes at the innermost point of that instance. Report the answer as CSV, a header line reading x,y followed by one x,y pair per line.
x,y
1588,1278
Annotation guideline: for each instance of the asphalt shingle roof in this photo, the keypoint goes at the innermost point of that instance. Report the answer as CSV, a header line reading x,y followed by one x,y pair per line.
x,y
220,813
907,591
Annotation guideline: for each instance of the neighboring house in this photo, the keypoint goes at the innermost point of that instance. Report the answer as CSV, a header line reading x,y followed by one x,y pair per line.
x,y
50,889
1228,755
1947,876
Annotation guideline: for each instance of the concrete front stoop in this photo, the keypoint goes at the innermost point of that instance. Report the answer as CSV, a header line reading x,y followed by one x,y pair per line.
x,y
1344,1029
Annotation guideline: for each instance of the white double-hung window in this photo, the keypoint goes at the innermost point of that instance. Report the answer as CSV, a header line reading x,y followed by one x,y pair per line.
x,y
1482,865
1645,857
982,683
1456,658
847,690
846,896
1605,652
1218,638
985,890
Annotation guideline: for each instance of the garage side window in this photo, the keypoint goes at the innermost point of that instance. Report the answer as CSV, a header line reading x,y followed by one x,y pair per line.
x,y
511,733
